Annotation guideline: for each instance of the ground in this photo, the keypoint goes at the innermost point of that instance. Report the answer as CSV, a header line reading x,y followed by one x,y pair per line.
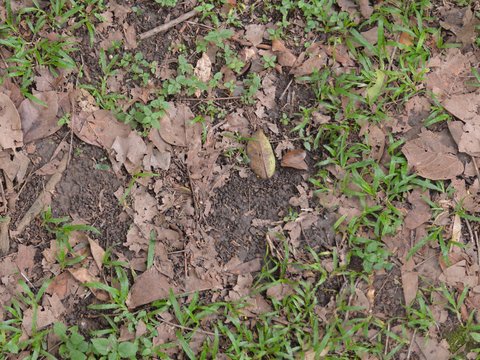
x,y
257,180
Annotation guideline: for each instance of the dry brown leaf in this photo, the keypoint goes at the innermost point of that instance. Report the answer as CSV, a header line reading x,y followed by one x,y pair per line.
x,y
405,39
130,151
97,252
376,140
420,212
130,36
315,62
262,159
409,282
113,37
463,23
295,159
430,159
148,287
10,124
365,9
284,56
457,229
173,124
99,128
430,348
39,121
203,70
83,276
448,72
254,33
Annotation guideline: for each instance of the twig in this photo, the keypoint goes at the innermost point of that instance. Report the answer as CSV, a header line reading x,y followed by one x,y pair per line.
x,y
285,91
474,238
476,167
409,354
478,247
212,99
168,25
187,328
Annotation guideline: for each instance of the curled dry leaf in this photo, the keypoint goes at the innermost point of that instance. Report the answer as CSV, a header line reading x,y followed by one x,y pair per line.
x,y
262,159
10,124
295,159
39,121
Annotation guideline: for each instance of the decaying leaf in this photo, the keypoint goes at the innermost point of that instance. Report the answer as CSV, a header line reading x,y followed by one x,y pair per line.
x,y
99,128
83,276
295,159
254,33
148,287
262,159
284,56
11,135
39,121
203,70
172,125
431,159
405,39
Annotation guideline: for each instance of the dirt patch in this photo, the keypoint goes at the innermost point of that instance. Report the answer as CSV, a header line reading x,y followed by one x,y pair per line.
x,y
242,200
389,294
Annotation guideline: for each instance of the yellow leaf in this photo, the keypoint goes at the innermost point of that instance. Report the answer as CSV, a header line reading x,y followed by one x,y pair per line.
x,y
262,159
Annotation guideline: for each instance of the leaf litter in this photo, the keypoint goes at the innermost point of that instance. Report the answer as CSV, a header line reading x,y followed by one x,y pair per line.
x,y
172,177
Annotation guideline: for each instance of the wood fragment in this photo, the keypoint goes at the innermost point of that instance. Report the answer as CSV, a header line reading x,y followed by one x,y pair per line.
x,y
4,237
167,26
43,199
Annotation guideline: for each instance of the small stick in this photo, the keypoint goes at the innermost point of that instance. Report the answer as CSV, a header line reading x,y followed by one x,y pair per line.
x,y
167,26
212,99
478,247
476,168
474,238
187,328
284,91
409,354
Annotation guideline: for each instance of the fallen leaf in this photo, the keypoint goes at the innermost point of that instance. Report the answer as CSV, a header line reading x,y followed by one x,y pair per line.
x,y
262,159
42,317
430,348
284,56
97,253
279,291
10,124
39,121
463,23
130,151
376,140
456,229
254,33
375,90
148,287
203,70
295,159
420,212
409,282
83,276
130,36
430,159
173,124
317,61
365,9
405,39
